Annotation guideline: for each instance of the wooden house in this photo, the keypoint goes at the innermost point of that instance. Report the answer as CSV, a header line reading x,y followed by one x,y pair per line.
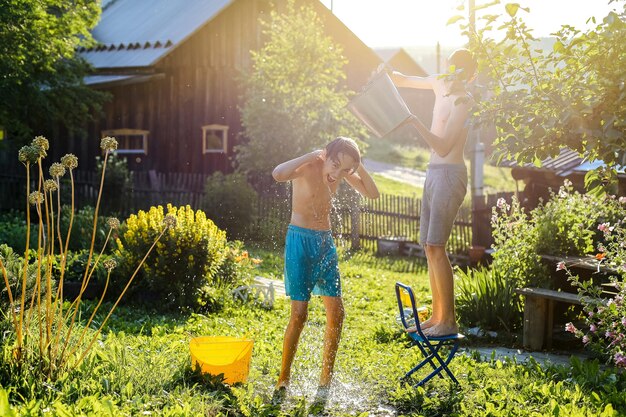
x,y
171,68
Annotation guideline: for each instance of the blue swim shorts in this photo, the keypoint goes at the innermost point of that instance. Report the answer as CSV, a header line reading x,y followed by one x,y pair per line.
x,y
310,264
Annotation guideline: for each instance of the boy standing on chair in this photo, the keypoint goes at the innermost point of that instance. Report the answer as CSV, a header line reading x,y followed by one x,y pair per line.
x,y
310,255
446,178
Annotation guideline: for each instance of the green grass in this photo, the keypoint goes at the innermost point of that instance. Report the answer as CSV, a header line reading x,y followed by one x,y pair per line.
x,y
142,365
389,186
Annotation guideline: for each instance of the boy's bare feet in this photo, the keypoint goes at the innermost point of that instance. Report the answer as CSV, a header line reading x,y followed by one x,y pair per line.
x,y
428,323
441,329
280,392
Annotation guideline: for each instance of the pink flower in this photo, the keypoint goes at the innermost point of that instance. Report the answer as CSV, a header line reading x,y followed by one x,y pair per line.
x,y
593,328
569,327
622,200
609,334
501,203
585,339
620,359
623,321
560,266
603,227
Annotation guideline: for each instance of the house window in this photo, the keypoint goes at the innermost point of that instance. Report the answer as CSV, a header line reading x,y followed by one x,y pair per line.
x,y
214,139
129,141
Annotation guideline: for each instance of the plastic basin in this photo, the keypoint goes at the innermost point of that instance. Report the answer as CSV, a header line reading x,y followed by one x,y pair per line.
x,y
222,355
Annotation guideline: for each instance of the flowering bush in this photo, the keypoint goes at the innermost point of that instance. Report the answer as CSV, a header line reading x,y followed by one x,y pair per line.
x,y
515,242
605,316
184,261
565,224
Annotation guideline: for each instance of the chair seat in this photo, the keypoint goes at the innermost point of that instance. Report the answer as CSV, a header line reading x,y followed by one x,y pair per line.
x,y
415,336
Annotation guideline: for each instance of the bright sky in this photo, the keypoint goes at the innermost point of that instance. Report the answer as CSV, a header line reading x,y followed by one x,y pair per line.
x,y
405,23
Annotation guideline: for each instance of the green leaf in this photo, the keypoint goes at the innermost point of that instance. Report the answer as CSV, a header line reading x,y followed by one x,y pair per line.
x,y
511,9
454,19
558,47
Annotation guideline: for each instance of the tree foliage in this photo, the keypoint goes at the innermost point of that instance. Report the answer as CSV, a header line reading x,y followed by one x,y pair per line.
x,y
295,97
40,73
572,95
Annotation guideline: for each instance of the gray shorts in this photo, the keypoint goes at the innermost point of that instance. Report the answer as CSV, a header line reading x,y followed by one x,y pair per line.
x,y
444,191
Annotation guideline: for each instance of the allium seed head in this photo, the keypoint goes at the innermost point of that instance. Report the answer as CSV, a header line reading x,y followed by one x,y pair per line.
x,y
69,161
113,223
28,155
109,264
35,198
41,144
50,185
57,170
169,221
108,143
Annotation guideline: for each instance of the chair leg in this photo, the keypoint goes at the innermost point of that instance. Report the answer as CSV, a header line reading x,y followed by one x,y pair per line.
x,y
436,369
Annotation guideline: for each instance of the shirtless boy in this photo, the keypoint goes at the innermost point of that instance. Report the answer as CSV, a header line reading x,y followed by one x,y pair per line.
x,y
310,254
446,178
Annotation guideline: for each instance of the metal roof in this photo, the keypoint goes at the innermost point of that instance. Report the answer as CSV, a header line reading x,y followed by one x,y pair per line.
x,y
138,33
566,163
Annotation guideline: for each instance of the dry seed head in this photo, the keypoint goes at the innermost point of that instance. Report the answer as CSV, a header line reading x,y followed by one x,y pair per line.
x,y
169,221
28,154
69,161
50,185
57,170
35,198
108,143
109,264
41,144
113,223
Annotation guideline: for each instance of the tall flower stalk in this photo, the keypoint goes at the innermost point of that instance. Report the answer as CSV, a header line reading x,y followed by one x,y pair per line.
x,y
46,331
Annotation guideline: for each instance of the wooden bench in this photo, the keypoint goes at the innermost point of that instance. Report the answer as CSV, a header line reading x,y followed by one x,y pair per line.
x,y
539,314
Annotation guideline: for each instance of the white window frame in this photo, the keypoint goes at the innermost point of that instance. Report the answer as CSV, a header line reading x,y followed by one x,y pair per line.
x,y
117,133
221,132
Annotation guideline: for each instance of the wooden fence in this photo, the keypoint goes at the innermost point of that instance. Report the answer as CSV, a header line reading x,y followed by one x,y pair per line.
x,y
356,222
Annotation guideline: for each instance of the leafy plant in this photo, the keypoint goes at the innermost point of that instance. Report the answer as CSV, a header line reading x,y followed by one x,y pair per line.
x,y
541,99
486,298
293,102
515,243
230,202
184,262
565,223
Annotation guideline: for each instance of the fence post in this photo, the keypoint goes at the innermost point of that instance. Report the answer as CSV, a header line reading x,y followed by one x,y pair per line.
x,y
355,223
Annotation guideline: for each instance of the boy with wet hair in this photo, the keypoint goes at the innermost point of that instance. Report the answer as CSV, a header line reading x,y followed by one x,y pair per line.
x,y
310,255
446,178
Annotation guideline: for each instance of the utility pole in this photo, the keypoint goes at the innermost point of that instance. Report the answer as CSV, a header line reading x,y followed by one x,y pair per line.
x,y
477,152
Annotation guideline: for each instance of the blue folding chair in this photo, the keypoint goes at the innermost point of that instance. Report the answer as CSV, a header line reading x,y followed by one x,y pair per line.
x,y
430,346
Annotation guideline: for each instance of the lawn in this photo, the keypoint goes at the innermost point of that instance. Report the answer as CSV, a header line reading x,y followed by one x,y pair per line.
x,y
142,364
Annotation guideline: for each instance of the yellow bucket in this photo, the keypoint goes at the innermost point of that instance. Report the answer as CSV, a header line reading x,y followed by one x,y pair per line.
x,y
222,355
405,298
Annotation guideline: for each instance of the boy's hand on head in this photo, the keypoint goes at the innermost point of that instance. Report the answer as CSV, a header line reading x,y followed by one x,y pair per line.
x,y
319,154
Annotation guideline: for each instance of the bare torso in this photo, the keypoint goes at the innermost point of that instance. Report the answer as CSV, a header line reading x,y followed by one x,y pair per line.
x,y
442,109
311,199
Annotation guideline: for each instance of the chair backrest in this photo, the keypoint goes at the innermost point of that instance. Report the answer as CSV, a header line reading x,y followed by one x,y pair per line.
x,y
406,301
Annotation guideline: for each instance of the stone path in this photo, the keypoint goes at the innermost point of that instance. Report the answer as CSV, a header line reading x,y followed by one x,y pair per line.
x,y
402,174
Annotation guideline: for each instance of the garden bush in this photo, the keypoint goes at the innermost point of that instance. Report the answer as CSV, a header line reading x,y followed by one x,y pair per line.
x,y
486,298
13,231
230,202
565,223
184,263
